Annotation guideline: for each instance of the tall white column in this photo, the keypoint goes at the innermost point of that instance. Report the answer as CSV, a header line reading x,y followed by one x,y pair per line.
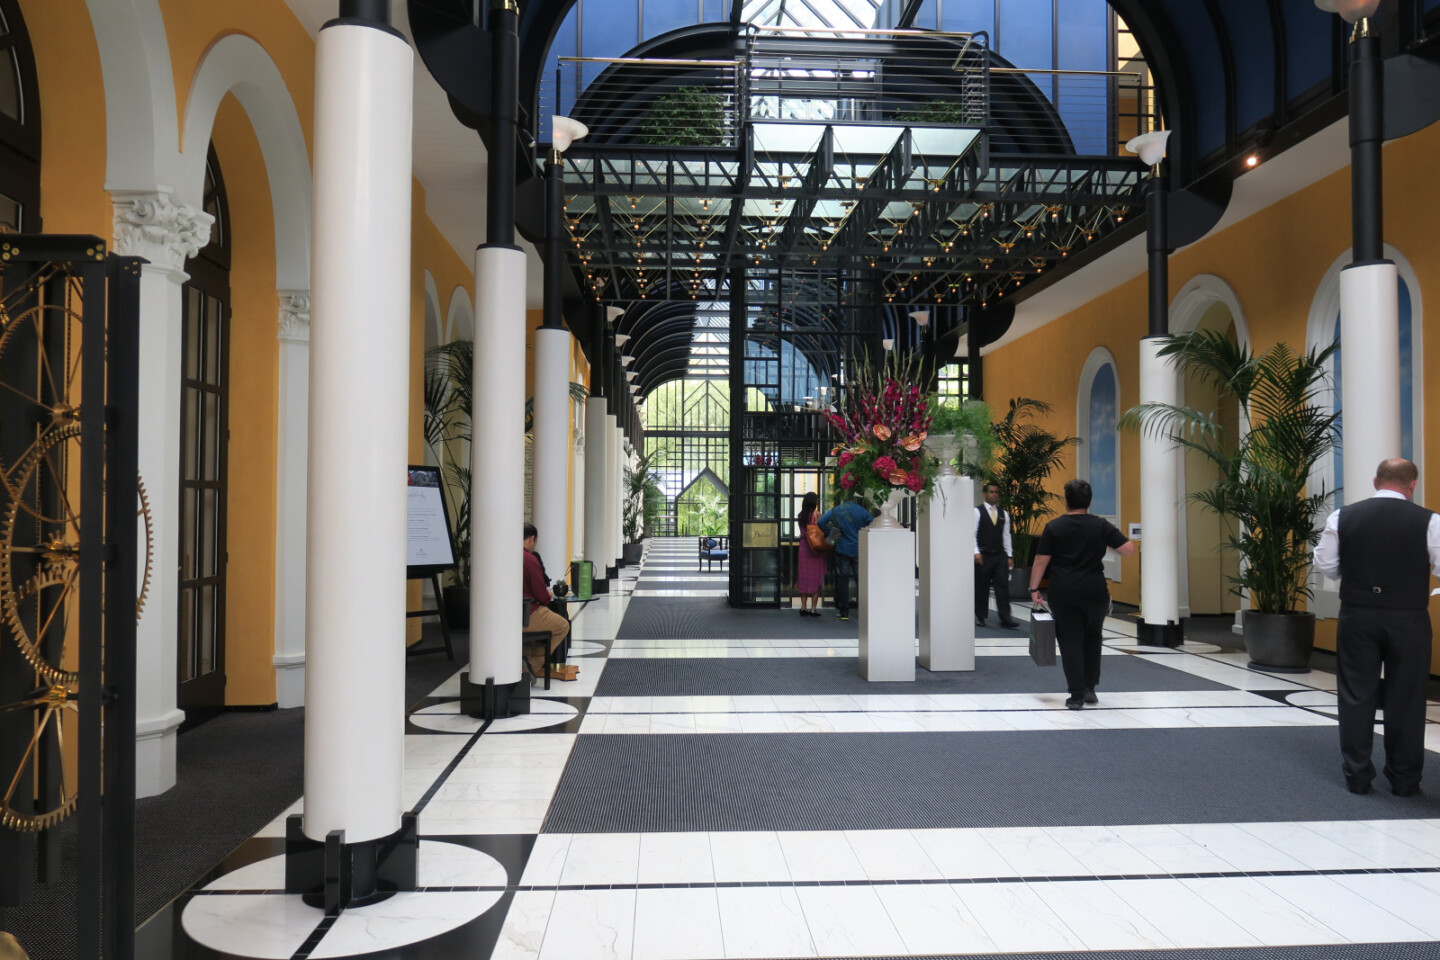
x,y
292,447
947,576
150,225
359,403
497,480
1159,507
612,492
1370,359
577,513
552,447
597,444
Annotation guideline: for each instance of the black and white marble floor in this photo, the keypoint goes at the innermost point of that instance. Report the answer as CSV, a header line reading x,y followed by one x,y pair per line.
x,y
495,884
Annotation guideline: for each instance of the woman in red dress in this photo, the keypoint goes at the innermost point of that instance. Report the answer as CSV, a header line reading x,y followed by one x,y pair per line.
x,y
810,577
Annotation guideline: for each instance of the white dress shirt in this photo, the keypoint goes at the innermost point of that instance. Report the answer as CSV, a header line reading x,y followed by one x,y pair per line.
x,y
997,517
1327,552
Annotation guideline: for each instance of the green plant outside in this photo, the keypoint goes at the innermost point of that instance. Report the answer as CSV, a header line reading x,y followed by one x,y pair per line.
x,y
644,497
686,116
1265,471
1026,456
933,113
706,514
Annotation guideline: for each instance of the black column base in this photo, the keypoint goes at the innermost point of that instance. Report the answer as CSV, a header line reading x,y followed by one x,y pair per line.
x,y
491,700
335,875
1161,634
611,573
600,586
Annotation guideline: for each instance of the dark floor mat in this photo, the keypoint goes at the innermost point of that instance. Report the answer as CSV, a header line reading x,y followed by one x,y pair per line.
x,y
697,676
879,781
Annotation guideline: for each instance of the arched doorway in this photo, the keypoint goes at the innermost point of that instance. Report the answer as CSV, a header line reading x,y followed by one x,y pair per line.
x,y
204,434
19,126
1209,562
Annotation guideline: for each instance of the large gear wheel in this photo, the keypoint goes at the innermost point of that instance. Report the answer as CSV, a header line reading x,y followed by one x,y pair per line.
x,y
49,705
57,376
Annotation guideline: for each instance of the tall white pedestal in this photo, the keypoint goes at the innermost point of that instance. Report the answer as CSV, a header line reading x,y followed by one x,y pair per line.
x,y
947,576
887,604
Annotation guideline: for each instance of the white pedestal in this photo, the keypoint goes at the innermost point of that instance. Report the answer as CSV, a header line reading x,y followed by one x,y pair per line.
x,y
947,576
887,604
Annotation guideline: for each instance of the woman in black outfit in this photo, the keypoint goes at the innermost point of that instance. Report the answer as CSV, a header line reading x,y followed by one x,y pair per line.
x,y
1071,549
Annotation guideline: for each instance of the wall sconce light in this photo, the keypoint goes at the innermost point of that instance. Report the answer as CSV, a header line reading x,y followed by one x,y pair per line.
x,y
1150,147
614,313
921,318
565,131
621,339
626,358
1350,10
888,343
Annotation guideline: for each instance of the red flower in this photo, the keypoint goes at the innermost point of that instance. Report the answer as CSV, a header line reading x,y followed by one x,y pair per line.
x,y
884,466
899,478
846,457
915,482
882,432
847,480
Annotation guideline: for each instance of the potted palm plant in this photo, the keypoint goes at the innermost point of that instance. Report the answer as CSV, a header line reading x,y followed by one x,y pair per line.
x,y
643,497
1264,476
1026,455
449,389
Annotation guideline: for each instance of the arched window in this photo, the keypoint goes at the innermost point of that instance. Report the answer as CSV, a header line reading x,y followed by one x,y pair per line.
x,y
19,126
1098,456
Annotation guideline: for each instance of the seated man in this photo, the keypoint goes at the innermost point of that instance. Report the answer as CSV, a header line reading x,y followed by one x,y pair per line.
x,y
541,616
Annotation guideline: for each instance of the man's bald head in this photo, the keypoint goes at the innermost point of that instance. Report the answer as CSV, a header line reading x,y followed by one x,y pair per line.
x,y
1397,474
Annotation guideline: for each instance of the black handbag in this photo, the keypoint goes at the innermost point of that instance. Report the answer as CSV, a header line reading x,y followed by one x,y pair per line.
x,y
1042,636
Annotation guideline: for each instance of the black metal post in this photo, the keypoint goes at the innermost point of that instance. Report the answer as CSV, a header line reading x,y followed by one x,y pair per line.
x,y
1156,244
1367,136
500,181
974,365
739,319
554,238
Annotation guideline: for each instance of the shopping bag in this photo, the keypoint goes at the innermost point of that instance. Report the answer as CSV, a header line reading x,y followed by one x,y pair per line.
x,y
1042,636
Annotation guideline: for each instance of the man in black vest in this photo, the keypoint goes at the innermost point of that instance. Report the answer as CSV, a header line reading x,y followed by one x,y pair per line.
x,y
1381,550
994,559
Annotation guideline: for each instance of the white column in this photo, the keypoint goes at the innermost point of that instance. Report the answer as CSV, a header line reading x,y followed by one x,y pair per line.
x,y
552,447
612,492
497,480
1159,499
359,427
887,604
150,225
597,440
1370,359
291,472
577,518
947,576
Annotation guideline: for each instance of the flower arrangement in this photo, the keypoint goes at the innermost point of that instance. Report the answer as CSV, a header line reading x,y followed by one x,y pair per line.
x,y
884,418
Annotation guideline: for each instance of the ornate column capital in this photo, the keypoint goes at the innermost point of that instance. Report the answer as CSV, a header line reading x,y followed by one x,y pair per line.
x,y
149,224
295,316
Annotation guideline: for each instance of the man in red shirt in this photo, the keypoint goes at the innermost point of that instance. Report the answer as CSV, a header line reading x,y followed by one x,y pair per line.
x,y
538,593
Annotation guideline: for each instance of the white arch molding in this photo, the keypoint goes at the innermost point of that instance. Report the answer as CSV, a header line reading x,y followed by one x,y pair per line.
x,y
434,325
1320,331
1098,359
460,317
1187,310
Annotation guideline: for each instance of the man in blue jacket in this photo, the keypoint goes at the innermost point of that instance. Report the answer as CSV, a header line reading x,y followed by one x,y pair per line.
x,y
850,518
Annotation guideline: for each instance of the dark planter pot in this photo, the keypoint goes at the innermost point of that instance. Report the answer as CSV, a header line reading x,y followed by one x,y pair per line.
x,y
1020,584
1279,641
631,553
457,607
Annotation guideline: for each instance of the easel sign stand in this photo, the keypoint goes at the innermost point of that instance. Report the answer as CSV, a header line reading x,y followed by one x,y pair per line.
x,y
429,551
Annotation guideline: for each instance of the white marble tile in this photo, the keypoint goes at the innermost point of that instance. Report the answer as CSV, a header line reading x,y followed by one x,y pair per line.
x,y
1421,834
547,860
932,919
678,924
1102,918
1243,851
590,925
267,874
962,854
1102,851
269,927
453,865
1171,850
402,919
1031,852
524,928
763,922
748,856
820,855
1369,842
1181,914
675,858
602,858
1414,898
849,921
1016,918
1263,913
1359,921
891,855
1305,845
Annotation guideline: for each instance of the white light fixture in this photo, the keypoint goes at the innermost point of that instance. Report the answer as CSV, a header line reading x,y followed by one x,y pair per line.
x,y
921,317
631,375
1149,146
614,313
564,131
1350,10
888,343
626,358
621,339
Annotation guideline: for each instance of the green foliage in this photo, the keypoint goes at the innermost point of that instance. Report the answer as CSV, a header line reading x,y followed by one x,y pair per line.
x,y
705,513
1027,455
644,498
933,113
968,418
1264,472
686,116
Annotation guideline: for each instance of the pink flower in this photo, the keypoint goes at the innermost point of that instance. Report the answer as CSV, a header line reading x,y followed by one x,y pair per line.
x,y
847,480
884,466
846,457
881,432
915,482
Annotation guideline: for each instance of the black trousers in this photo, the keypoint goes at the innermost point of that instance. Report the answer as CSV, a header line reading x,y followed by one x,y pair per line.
x,y
1078,629
993,569
845,570
1398,640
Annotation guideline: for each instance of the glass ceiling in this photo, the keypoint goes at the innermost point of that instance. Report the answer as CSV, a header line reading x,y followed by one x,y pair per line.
x,y
842,14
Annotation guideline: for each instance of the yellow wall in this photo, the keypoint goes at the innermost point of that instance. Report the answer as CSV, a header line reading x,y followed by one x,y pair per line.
x,y
1274,261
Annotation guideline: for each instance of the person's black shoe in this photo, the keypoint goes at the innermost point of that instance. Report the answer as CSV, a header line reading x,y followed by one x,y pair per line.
x,y
1010,624
979,621
1090,696
1075,703
1409,790
1358,787
842,616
